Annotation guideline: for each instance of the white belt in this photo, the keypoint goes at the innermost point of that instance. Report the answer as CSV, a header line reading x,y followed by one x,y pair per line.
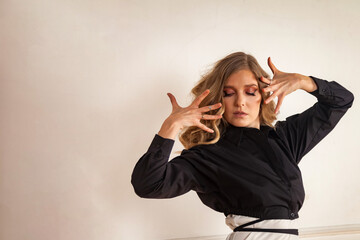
x,y
244,223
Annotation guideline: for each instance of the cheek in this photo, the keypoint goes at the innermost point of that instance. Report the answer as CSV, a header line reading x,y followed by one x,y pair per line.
x,y
227,105
256,100
259,101
229,108
256,103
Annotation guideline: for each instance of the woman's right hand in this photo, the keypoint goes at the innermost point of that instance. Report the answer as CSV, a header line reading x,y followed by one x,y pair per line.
x,y
191,115
188,116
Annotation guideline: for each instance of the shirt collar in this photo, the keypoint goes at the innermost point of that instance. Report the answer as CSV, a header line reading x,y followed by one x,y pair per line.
x,y
237,134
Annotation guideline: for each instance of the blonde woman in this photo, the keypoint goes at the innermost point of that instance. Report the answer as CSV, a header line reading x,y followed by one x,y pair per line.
x,y
236,160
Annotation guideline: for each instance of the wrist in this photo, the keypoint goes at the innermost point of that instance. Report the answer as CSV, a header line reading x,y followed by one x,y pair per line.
x,y
307,83
169,129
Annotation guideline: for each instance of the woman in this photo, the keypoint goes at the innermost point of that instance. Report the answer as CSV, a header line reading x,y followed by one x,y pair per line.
x,y
234,158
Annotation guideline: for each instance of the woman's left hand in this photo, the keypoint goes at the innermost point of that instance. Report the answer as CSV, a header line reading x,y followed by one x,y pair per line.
x,y
284,83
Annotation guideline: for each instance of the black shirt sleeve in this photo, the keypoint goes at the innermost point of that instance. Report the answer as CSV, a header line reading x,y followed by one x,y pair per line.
x,y
303,131
156,177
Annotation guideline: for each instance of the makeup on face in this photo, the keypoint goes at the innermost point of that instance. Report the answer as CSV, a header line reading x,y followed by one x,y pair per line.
x,y
250,89
242,99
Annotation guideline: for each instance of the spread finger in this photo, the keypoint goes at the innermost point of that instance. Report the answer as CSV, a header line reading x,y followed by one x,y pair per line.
x,y
201,97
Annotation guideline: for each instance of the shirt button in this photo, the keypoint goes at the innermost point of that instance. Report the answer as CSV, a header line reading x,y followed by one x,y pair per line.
x,y
324,90
292,214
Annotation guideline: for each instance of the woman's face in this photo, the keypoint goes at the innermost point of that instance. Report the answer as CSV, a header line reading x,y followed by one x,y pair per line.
x,y
242,99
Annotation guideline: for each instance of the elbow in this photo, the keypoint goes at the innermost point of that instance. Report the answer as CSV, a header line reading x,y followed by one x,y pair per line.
x,y
348,100
154,191
142,189
139,188
351,98
141,192
344,100
348,97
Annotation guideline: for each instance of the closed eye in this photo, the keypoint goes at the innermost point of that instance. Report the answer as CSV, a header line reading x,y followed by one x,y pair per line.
x,y
248,93
228,94
251,93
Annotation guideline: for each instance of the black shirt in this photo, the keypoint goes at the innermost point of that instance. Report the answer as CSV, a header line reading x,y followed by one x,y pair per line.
x,y
248,171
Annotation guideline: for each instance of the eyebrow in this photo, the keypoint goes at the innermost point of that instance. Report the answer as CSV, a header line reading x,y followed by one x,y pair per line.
x,y
248,85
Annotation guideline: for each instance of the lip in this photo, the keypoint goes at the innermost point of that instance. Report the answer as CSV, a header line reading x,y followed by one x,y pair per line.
x,y
240,114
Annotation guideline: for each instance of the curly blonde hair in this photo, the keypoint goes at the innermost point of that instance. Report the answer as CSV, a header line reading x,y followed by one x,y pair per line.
x,y
215,80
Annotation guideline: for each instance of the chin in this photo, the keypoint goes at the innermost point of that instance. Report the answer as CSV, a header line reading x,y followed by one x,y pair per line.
x,y
243,123
238,123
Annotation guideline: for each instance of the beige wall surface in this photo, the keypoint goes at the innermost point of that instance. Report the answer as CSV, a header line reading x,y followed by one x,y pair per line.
x,y
83,88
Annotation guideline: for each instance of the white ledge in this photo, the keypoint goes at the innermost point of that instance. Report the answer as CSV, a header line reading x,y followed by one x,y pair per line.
x,y
305,233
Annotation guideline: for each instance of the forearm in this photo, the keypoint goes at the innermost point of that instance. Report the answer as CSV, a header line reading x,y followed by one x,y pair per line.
x,y
149,170
303,131
332,94
156,177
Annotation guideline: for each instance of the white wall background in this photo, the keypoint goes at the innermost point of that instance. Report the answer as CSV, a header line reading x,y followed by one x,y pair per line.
x,y
83,88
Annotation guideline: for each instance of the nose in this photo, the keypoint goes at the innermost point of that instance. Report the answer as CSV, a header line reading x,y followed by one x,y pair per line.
x,y
240,101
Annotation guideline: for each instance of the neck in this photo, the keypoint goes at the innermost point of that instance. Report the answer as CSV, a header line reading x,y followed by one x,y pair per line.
x,y
256,127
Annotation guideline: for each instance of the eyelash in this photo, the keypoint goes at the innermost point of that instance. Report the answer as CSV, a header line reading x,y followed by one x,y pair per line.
x,y
229,94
